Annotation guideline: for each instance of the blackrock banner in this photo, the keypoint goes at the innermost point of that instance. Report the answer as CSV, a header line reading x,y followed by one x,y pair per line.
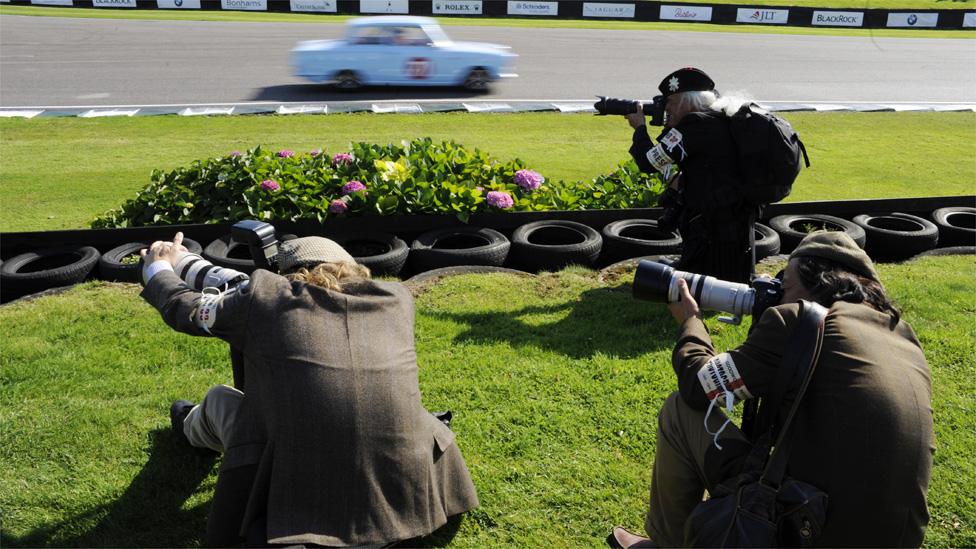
x,y
457,7
838,18
599,9
178,4
114,3
761,15
686,13
913,19
533,8
324,6
384,6
969,20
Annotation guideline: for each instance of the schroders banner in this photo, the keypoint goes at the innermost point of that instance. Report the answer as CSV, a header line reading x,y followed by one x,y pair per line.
x,y
913,19
761,15
838,18
324,6
533,8
599,9
686,13
178,4
114,3
457,7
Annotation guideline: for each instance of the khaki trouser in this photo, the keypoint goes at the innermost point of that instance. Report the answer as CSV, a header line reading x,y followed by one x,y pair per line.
x,y
209,423
679,478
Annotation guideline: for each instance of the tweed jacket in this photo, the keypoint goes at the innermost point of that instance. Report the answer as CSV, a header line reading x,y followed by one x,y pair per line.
x,y
863,433
346,454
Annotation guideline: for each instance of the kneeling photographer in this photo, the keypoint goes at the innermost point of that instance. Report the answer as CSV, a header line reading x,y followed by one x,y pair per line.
x,y
703,202
329,443
846,404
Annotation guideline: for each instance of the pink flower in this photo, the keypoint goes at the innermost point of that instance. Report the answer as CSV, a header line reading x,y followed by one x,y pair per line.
x,y
352,187
337,206
341,158
285,153
234,153
316,152
500,199
528,180
270,185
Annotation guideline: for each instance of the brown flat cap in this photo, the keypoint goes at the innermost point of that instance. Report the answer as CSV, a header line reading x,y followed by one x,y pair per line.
x,y
309,252
838,247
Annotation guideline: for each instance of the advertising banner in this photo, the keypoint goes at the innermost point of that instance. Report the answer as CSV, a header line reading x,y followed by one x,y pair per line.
x,y
686,13
114,3
599,9
327,6
533,8
178,4
913,19
762,15
457,7
244,5
384,6
838,18
52,2
969,20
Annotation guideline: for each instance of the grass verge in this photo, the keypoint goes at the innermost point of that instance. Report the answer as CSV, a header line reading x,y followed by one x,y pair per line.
x,y
274,17
58,173
555,382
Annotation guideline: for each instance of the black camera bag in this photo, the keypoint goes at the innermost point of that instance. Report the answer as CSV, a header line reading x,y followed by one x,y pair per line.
x,y
762,507
768,151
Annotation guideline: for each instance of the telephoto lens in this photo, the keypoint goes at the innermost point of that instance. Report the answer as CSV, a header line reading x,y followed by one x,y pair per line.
x,y
199,273
658,282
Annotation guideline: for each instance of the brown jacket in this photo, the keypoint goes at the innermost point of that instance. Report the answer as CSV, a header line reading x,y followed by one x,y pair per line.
x,y
864,430
346,454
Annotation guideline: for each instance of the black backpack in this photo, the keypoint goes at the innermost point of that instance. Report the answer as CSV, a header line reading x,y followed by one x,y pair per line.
x,y
769,154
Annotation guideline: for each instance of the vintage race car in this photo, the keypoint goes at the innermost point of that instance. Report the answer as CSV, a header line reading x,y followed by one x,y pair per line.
x,y
402,51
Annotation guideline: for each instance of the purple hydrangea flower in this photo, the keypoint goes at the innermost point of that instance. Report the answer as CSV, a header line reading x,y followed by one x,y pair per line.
x,y
352,187
338,206
316,152
528,180
234,153
270,185
500,199
341,158
285,153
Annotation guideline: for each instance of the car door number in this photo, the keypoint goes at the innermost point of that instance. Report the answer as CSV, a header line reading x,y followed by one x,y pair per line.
x,y
418,68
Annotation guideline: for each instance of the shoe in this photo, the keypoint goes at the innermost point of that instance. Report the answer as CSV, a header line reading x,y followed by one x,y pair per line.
x,y
621,538
444,417
177,413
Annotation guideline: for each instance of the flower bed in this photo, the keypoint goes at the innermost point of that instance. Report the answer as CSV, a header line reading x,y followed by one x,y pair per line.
x,y
418,177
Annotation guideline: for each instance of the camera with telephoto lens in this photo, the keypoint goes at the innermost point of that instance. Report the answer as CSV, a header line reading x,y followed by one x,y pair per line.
x,y
612,105
658,282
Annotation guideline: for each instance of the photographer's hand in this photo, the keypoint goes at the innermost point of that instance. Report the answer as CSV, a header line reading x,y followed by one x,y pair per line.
x,y
636,119
166,251
686,306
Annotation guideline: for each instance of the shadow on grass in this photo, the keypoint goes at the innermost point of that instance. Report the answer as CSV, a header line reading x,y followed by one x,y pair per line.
x,y
321,92
149,514
602,320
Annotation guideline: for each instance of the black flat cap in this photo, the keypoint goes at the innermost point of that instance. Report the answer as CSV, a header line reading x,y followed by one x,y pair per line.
x,y
685,80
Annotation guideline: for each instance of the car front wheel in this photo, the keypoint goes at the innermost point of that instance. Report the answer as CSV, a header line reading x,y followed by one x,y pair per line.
x,y
477,80
347,81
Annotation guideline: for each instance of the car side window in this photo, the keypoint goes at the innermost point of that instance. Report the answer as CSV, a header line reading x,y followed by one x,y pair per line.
x,y
409,36
369,35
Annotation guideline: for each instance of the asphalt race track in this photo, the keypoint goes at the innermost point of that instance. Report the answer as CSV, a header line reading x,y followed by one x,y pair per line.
x,y
46,61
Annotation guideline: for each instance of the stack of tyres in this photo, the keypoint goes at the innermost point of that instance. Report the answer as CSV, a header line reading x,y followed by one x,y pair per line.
x,y
552,245
121,264
41,270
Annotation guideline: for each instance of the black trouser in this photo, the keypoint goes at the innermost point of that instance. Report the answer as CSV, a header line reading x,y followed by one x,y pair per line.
x,y
719,248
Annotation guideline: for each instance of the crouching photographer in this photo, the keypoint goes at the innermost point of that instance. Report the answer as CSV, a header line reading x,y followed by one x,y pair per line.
x,y
328,444
846,406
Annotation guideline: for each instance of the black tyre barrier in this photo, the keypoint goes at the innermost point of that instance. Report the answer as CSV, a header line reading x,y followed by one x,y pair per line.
x,y
552,245
612,273
767,241
49,268
443,272
112,268
384,254
951,250
792,230
897,236
637,237
461,245
957,225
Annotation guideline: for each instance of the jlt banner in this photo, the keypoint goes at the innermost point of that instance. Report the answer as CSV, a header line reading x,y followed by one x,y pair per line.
x,y
686,13
384,6
326,6
533,8
838,18
457,7
761,15
599,9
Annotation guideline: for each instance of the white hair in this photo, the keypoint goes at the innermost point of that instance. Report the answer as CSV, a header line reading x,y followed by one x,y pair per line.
x,y
701,101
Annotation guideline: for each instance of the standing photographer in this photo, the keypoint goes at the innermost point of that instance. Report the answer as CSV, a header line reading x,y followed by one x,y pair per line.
x,y
703,202
863,434
329,443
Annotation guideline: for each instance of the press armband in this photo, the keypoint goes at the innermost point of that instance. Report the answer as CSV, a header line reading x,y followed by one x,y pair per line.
x,y
720,376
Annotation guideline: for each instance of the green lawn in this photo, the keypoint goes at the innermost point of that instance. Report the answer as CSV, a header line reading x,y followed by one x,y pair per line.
x,y
266,17
555,381
58,173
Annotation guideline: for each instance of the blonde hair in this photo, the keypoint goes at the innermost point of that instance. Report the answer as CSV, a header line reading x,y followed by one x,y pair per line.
x,y
331,276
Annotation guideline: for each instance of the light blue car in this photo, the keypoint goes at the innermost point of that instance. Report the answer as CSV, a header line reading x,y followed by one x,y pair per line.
x,y
401,51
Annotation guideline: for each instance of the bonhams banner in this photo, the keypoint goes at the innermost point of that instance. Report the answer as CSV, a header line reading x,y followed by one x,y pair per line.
x,y
533,8
244,5
762,15
457,7
913,19
323,6
838,18
599,9
686,13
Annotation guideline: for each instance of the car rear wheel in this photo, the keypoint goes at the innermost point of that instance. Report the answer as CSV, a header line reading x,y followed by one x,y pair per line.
x,y
477,80
347,81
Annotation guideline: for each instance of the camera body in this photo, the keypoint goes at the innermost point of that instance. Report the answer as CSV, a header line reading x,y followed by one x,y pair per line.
x,y
612,105
260,239
658,282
